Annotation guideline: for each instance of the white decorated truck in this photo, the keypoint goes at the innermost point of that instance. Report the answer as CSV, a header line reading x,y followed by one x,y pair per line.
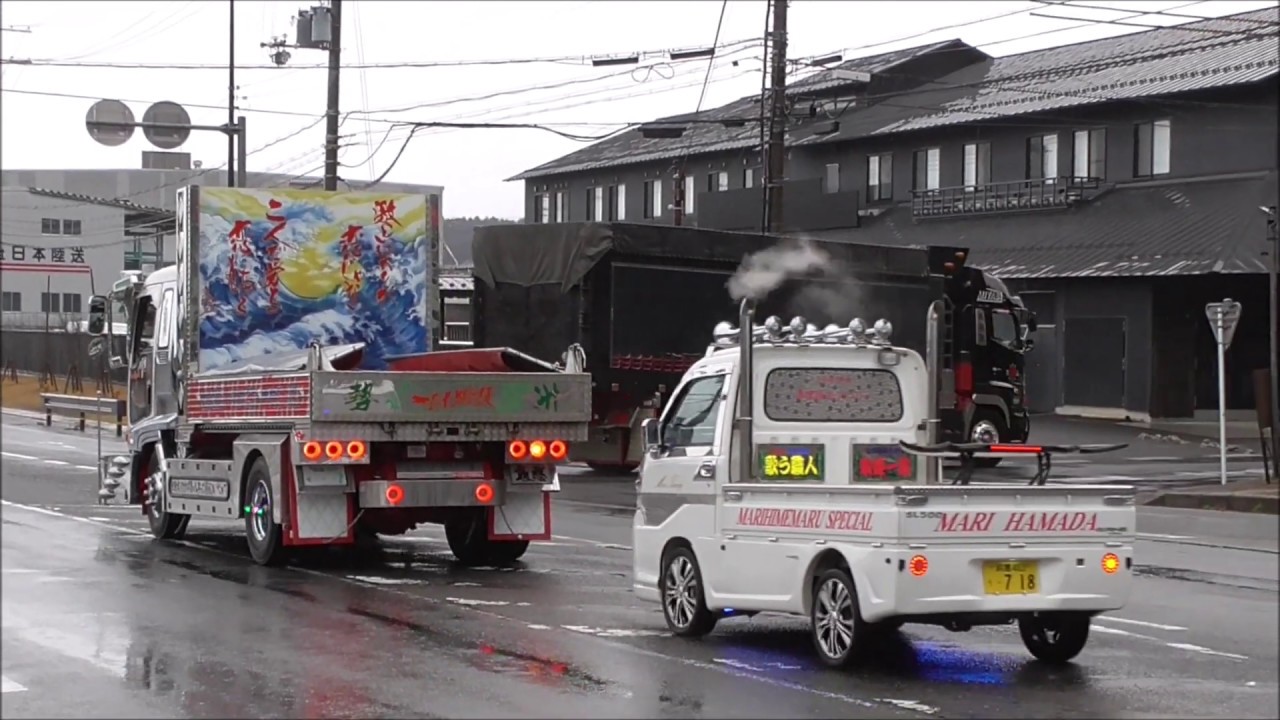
x,y
795,471
282,373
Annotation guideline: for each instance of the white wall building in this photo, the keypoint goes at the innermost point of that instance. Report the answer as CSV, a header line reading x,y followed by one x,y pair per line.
x,y
67,234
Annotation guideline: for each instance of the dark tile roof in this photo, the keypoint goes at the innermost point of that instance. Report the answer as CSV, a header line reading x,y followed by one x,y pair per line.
x,y
826,80
105,202
1168,228
1232,50
1196,56
707,135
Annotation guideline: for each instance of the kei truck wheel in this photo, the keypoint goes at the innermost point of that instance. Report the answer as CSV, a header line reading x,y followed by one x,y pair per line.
x,y
1055,637
266,544
684,604
835,621
165,525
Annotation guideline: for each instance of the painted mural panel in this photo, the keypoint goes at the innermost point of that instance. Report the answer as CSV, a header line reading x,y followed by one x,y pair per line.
x,y
282,268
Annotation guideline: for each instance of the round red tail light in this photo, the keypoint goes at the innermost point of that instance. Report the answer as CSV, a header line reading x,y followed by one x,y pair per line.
x,y
395,494
333,449
356,449
484,493
919,565
312,450
557,449
518,449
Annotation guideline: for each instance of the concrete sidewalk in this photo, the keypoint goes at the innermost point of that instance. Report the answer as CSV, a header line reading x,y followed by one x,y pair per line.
x,y
1167,441
1254,496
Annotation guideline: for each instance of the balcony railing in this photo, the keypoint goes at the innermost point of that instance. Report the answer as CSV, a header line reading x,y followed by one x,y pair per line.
x,y
1005,197
456,334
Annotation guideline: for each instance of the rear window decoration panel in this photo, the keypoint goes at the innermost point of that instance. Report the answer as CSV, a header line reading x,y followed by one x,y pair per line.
x,y
832,395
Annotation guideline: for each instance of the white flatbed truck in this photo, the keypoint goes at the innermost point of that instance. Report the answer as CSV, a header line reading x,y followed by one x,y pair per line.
x,y
793,471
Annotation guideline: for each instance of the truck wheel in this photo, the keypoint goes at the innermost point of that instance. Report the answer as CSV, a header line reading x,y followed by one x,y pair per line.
x,y
1055,637
836,623
266,546
987,428
684,604
165,525
470,543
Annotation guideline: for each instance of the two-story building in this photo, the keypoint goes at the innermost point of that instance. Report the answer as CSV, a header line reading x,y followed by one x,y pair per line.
x,y
1116,184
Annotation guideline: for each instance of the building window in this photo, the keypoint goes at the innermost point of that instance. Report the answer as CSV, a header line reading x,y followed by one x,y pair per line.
x,y
1042,157
748,177
652,199
1089,154
977,165
1151,148
562,206
50,226
50,302
617,202
70,302
12,302
597,203
70,227
880,177
688,195
832,184
542,208
722,181
927,169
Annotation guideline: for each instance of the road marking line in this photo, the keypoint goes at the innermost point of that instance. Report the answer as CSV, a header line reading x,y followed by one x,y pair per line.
x,y
57,462
1161,536
1155,459
1143,623
85,467
17,456
8,686
1206,651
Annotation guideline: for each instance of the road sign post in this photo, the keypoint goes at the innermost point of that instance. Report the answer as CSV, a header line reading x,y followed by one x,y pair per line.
x,y
1223,318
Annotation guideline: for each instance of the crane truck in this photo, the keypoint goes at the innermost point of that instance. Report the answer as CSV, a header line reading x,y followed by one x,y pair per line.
x,y
281,373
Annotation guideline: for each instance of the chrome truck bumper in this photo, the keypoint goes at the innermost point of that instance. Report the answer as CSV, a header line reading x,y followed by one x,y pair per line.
x,y
430,493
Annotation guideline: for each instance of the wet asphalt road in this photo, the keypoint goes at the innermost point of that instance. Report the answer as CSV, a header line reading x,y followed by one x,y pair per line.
x,y
100,621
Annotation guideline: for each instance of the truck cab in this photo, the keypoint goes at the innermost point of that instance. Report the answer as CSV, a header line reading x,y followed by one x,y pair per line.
x,y
780,478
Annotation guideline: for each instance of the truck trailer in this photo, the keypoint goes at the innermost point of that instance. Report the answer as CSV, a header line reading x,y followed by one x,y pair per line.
x,y
282,373
637,299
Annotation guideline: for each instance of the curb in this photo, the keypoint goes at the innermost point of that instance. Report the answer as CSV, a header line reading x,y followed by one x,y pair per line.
x,y
1263,504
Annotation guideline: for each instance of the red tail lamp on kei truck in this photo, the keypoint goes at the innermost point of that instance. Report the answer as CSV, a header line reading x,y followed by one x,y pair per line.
x,y
795,470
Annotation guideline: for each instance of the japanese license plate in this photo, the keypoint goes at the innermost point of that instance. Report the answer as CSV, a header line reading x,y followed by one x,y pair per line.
x,y
528,475
790,462
1011,578
882,462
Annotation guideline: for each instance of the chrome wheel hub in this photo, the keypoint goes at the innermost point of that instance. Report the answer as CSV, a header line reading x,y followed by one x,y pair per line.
x,y
259,509
985,432
833,618
680,600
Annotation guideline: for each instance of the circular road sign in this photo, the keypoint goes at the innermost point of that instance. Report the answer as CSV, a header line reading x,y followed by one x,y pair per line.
x,y
110,122
167,113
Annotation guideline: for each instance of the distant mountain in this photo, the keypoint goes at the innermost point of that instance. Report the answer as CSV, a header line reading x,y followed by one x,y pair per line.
x,y
458,233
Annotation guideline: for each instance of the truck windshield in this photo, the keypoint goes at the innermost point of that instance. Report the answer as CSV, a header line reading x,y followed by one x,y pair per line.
x,y
1004,330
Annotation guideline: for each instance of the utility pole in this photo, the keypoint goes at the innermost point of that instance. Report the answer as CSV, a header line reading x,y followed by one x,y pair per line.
x,y
775,151
231,95
1273,312
331,110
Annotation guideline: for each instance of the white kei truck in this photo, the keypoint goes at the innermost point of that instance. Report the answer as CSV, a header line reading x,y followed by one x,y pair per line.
x,y
281,373
793,472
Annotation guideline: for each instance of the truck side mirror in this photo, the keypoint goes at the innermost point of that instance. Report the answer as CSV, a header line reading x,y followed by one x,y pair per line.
x,y
652,434
97,315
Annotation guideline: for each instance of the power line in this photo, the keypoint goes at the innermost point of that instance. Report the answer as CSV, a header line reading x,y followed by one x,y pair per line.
x,y
585,60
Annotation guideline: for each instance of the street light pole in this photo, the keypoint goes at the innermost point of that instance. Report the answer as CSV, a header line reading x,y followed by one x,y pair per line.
x,y
231,95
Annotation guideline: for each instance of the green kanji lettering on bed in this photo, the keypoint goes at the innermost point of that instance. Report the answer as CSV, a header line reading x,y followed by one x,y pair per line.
x,y
360,396
547,396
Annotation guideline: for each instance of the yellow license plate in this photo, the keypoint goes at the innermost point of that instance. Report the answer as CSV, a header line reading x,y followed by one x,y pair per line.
x,y
1011,578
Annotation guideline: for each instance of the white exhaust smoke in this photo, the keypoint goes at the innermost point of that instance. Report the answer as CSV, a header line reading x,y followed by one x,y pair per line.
x,y
762,273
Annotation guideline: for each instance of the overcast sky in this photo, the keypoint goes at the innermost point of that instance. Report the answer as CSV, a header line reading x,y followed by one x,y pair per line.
x,y
283,105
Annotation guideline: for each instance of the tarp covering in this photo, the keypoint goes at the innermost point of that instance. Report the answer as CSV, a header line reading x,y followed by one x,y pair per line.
x,y
562,253
486,360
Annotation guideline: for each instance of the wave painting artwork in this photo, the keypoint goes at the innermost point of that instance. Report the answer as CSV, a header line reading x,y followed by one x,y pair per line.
x,y
281,269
